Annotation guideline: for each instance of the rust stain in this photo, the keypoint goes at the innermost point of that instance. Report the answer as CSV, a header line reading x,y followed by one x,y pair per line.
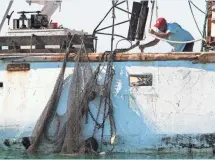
x,y
201,57
207,58
15,83
17,72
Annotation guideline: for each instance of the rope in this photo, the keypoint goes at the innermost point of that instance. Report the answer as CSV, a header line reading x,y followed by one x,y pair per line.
x,y
46,131
128,9
204,27
196,7
178,42
105,101
194,18
152,11
123,40
156,9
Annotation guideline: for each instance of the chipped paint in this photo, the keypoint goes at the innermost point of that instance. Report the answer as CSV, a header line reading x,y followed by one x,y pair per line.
x,y
168,116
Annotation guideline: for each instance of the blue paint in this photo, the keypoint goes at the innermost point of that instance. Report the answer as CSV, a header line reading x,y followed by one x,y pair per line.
x,y
134,134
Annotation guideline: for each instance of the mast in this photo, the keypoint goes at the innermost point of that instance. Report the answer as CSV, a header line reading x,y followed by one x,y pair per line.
x,y
113,16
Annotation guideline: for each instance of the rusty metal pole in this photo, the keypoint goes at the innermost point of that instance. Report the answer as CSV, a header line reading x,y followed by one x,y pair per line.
x,y
113,16
206,27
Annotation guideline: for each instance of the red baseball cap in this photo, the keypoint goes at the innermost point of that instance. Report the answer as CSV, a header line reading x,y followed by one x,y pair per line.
x,y
160,22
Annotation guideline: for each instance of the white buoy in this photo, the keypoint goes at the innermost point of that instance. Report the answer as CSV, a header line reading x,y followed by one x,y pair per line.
x,y
102,153
113,140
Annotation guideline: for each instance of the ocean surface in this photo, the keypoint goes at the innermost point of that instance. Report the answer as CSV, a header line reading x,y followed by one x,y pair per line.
x,y
21,155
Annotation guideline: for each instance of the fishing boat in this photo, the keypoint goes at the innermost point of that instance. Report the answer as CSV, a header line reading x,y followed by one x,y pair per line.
x,y
126,102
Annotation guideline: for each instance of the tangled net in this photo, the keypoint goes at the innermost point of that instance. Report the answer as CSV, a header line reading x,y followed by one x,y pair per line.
x,y
68,137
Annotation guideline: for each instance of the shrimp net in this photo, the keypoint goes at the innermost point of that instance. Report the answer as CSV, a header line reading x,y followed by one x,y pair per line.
x,y
64,134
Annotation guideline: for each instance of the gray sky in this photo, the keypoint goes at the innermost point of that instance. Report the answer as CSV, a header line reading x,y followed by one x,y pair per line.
x,y
86,14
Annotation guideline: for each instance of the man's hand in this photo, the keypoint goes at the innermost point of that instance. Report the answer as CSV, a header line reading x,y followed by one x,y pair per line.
x,y
151,31
137,43
141,47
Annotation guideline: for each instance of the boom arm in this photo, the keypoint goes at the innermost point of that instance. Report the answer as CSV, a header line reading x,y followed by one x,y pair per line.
x,y
50,6
6,14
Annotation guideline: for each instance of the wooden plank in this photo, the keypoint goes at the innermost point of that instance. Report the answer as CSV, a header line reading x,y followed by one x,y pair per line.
x,y
47,50
207,58
120,57
43,40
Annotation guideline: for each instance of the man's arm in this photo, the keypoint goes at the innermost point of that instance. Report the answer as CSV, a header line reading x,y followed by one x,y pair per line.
x,y
160,34
150,44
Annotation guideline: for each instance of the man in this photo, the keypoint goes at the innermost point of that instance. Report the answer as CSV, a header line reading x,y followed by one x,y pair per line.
x,y
172,32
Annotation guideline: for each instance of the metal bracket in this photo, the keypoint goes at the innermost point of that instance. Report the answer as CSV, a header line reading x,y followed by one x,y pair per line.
x,y
96,30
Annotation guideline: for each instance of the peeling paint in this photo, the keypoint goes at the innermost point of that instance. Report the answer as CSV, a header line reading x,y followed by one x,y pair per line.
x,y
169,115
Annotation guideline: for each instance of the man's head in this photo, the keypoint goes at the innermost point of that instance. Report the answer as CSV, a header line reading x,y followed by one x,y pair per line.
x,y
161,24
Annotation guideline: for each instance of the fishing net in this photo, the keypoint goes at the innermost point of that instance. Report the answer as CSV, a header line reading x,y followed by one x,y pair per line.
x,y
67,129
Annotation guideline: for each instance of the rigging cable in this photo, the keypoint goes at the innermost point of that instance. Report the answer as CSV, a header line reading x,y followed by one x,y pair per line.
x,y
197,7
150,22
152,11
127,9
156,9
124,39
194,18
178,42
204,27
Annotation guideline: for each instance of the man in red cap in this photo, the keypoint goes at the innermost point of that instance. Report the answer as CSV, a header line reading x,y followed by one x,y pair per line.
x,y
172,32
